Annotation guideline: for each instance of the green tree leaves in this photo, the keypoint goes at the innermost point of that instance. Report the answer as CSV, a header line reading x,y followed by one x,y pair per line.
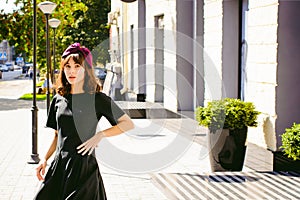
x,y
82,21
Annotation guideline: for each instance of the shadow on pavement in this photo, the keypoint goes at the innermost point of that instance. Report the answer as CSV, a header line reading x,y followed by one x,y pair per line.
x,y
228,185
13,104
227,178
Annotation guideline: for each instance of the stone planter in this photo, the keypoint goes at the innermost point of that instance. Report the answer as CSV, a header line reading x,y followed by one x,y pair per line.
x,y
227,149
282,163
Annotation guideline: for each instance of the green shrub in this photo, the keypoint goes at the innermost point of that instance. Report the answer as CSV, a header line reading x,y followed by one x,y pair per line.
x,y
227,113
291,142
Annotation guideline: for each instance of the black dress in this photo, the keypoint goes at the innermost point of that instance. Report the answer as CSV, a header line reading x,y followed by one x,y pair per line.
x,y
71,175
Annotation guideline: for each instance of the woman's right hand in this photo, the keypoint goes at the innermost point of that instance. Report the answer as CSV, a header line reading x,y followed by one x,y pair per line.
x,y
40,170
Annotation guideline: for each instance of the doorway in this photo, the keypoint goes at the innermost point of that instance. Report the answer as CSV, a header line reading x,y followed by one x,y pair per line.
x,y
244,50
159,58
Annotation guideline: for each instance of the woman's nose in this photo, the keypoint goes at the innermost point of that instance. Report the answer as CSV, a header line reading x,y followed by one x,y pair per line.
x,y
72,70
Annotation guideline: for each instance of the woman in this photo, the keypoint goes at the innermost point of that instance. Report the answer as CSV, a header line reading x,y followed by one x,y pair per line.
x,y
73,114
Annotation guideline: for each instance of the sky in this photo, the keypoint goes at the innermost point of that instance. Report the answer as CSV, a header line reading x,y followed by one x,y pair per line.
x,y
8,7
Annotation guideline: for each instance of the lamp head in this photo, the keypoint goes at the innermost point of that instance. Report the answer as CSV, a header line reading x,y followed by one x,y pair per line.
x,y
54,23
47,7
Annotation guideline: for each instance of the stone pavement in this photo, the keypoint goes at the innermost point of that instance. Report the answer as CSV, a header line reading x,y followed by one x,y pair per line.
x,y
229,185
133,177
18,179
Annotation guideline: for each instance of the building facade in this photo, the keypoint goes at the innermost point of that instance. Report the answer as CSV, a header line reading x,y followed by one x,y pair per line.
x,y
184,53
6,52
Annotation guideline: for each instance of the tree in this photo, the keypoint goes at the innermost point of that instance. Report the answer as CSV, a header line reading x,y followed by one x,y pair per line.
x,y
16,28
91,30
82,21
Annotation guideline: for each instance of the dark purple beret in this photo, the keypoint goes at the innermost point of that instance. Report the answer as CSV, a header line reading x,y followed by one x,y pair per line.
x,y
75,48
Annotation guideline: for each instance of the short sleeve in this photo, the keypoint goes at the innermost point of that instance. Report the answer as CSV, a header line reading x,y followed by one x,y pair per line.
x,y
108,108
51,120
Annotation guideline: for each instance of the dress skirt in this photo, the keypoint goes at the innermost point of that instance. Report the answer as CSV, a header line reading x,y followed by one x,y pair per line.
x,y
72,176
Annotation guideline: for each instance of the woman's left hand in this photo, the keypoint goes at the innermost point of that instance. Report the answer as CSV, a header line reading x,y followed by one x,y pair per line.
x,y
90,144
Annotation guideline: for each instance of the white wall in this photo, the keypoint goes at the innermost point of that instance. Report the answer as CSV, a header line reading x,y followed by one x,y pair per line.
x,y
168,10
213,20
262,68
261,63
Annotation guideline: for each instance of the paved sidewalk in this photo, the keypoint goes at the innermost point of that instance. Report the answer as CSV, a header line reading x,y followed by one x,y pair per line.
x,y
18,181
229,185
158,137
149,150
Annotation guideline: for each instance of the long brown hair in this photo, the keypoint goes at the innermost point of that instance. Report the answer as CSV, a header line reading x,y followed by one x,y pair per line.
x,y
90,85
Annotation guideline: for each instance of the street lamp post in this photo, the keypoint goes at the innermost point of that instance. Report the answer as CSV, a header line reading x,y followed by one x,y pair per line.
x,y
54,23
34,158
47,8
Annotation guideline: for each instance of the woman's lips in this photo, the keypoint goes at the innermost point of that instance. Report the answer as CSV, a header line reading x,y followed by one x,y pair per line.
x,y
72,78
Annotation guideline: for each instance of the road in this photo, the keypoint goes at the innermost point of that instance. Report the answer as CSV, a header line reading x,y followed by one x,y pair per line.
x,y
12,86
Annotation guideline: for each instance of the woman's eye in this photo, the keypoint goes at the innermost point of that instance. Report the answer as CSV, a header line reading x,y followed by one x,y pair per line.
x,y
67,66
77,66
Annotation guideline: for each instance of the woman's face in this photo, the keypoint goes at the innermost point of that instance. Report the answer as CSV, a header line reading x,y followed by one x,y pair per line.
x,y
74,72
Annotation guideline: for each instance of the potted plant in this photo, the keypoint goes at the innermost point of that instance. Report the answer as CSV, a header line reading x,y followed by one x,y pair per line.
x,y
228,121
289,158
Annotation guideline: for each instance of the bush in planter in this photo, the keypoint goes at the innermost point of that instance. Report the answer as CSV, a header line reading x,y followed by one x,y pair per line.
x,y
227,113
291,142
227,148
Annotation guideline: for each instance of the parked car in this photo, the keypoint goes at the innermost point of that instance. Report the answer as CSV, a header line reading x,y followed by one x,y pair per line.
x,y
17,67
26,67
3,68
10,66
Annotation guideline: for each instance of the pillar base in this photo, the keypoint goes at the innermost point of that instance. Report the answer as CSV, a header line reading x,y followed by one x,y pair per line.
x,y
34,159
